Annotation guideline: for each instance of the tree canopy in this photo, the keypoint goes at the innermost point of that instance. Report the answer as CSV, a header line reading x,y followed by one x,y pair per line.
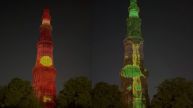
x,y
174,93
18,94
78,93
75,94
105,95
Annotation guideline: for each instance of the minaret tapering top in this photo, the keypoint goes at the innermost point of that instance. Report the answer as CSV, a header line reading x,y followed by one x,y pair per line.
x,y
46,27
134,22
46,16
133,9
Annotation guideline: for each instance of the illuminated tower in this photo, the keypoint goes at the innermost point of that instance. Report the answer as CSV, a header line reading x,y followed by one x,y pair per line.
x,y
133,74
44,72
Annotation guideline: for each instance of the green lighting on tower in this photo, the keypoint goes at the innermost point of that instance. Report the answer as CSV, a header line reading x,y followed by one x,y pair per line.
x,y
129,88
133,73
134,22
130,71
133,9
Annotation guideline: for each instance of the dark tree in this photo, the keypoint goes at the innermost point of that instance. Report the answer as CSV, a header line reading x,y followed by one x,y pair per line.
x,y
105,95
2,92
174,93
18,94
75,94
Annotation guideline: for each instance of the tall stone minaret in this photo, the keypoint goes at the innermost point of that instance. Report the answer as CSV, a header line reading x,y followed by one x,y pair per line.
x,y
133,74
44,72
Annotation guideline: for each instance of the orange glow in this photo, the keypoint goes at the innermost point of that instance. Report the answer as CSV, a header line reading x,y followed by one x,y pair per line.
x,y
46,99
45,21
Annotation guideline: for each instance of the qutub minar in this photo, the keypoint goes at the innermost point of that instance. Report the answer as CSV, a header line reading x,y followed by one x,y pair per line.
x,y
44,72
134,75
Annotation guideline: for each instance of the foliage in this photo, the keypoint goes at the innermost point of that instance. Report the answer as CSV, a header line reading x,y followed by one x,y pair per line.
x,y
18,94
78,93
75,94
2,92
105,95
174,93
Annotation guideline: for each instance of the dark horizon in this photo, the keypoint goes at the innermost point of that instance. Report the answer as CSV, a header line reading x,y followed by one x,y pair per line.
x,y
88,38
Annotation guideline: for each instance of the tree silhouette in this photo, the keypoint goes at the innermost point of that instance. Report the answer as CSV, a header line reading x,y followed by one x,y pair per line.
x,y
174,93
75,94
18,94
105,95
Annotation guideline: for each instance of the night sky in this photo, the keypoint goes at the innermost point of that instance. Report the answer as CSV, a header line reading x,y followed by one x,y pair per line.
x,y
88,37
